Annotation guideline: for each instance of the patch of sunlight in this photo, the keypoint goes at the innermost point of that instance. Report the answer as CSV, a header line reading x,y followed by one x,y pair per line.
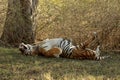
x,y
89,77
46,76
90,0
84,22
57,2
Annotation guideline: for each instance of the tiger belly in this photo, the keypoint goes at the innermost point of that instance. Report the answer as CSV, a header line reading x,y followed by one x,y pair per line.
x,y
53,52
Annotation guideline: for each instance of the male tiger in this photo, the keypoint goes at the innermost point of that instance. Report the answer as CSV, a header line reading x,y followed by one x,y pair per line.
x,y
60,47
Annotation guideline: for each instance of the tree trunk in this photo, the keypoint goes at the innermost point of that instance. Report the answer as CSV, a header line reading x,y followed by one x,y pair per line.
x,y
20,23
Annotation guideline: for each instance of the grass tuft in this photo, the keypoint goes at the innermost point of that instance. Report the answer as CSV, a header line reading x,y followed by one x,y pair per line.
x,y
14,66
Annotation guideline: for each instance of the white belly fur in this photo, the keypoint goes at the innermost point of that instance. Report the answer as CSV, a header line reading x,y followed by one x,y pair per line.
x,y
51,43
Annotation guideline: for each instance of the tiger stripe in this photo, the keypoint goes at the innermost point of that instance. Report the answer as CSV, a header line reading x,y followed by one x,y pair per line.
x,y
60,47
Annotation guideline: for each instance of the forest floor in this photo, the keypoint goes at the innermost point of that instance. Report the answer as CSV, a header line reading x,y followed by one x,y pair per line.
x,y
14,66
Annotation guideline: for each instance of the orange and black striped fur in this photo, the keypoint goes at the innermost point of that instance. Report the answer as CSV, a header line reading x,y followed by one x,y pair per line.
x,y
63,48
86,53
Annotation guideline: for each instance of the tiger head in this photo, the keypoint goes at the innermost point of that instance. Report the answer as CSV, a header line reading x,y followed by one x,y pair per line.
x,y
25,48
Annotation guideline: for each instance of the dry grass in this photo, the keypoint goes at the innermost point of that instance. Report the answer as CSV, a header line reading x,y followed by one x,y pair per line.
x,y
14,66
76,19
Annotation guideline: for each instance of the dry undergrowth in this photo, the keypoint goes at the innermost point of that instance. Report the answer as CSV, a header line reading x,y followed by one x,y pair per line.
x,y
76,20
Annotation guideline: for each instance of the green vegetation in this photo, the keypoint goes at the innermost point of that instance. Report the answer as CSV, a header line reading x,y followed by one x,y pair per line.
x,y
14,66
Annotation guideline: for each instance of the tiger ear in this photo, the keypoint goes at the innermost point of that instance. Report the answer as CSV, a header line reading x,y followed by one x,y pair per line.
x,y
25,46
23,43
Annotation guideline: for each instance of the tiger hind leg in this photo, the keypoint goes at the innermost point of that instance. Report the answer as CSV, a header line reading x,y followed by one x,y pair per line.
x,y
53,52
97,53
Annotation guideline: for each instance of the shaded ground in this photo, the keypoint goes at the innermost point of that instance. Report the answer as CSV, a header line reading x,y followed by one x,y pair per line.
x,y
14,66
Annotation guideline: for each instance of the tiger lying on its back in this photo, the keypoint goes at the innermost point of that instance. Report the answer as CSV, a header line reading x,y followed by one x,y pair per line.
x,y
49,47
60,47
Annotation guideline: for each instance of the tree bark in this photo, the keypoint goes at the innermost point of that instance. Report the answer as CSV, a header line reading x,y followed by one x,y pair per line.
x,y
20,22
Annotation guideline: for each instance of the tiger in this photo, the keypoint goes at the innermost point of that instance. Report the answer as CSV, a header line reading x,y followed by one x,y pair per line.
x,y
60,47
54,49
